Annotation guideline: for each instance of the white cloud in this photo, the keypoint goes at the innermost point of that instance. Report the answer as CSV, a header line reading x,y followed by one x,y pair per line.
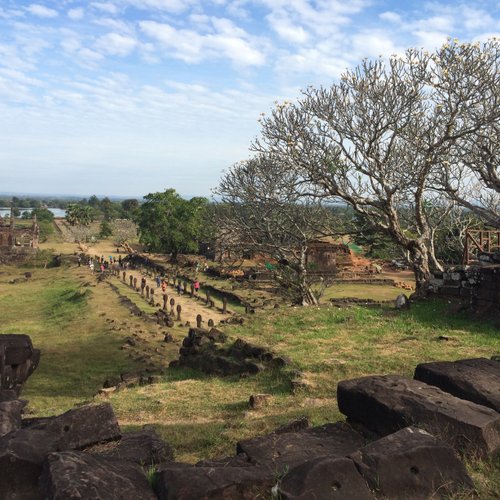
x,y
116,44
390,17
76,14
225,41
287,30
373,43
174,6
107,7
41,11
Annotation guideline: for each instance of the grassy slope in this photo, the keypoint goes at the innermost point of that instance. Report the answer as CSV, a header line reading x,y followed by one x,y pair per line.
x,y
205,416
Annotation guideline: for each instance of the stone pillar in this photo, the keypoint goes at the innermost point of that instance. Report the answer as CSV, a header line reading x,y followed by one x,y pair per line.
x,y
172,304
147,291
124,276
179,310
165,300
210,323
198,321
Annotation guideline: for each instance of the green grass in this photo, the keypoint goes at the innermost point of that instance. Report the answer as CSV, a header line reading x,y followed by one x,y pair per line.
x,y
361,291
79,351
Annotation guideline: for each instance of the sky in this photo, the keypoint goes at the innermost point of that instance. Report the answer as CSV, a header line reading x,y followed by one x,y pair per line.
x,y
128,97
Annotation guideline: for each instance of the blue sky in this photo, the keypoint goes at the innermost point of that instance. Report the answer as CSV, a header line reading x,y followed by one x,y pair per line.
x,y
127,97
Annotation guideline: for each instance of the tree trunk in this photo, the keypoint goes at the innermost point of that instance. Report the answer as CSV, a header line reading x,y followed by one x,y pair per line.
x,y
435,264
419,255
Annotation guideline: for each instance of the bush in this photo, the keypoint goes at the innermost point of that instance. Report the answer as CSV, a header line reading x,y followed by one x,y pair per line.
x,y
105,230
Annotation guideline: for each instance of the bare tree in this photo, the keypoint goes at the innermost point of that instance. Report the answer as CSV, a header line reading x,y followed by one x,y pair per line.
x,y
379,138
267,213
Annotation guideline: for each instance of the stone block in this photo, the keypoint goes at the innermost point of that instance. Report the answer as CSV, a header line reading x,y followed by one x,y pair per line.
x,y
21,459
326,477
10,416
412,464
143,447
85,426
476,380
214,483
282,451
388,403
73,474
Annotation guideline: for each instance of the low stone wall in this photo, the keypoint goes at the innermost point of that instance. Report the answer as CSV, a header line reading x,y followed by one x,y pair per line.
x,y
478,286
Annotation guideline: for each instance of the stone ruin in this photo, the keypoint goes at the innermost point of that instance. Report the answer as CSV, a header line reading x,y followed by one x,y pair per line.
x,y
201,350
17,243
403,439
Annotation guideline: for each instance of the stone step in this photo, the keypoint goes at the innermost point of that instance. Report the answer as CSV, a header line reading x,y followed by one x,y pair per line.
x,y
388,403
477,380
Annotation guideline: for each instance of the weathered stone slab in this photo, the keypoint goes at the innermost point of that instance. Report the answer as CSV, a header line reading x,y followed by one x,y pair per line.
x,y
476,380
73,474
82,427
142,447
388,403
21,458
412,464
18,360
326,477
240,460
214,483
10,416
282,451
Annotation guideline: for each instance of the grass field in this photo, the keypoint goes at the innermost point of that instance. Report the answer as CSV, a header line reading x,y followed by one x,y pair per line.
x,y
81,328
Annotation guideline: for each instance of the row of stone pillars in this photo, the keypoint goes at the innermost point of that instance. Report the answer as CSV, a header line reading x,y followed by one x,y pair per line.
x,y
149,291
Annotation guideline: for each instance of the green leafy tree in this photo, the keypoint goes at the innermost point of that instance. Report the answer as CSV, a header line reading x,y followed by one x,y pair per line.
x,y
129,208
105,229
167,223
79,215
42,214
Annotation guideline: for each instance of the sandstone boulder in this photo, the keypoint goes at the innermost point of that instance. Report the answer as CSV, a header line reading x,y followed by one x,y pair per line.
x,y
21,458
82,427
412,464
18,360
282,451
10,416
75,475
388,403
476,380
214,483
326,477
143,447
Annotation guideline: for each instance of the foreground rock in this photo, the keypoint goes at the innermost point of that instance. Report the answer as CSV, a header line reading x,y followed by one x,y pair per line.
x,y
10,416
82,427
18,360
412,464
143,447
282,451
326,477
408,464
79,475
385,404
476,380
22,454
182,481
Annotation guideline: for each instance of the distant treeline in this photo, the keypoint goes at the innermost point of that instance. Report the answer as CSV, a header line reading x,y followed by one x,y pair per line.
x,y
101,208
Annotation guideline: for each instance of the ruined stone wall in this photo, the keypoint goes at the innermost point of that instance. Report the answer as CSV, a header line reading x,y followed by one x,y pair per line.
x,y
478,286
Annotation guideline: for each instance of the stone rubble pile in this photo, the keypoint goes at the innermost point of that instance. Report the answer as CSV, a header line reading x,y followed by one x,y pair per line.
x,y
403,439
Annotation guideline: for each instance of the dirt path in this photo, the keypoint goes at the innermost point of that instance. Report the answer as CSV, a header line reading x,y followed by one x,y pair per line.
x,y
191,307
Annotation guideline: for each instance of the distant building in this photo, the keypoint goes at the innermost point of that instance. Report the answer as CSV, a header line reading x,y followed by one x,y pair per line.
x,y
12,237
